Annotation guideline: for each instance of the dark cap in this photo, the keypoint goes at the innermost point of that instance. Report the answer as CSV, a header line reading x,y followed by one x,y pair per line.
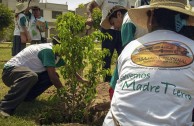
x,y
35,8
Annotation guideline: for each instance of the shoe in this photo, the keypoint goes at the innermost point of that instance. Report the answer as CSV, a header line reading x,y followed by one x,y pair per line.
x,y
4,114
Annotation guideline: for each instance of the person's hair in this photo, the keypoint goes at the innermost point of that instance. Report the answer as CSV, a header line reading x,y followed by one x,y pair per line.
x,y
166,19
114,14
188,31
36,8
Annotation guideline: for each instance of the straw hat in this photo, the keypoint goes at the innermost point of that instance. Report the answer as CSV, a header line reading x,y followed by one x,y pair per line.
x,y
139,15
106,23
21,7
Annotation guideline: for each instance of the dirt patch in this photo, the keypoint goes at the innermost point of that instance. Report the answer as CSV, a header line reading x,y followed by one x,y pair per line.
x,y
102,101
97,111
101,104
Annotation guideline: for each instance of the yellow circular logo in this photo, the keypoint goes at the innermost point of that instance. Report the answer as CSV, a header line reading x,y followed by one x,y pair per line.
x,y
164,54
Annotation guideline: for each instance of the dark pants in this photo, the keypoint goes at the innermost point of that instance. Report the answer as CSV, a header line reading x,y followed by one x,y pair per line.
x,y
24,85
115,43
17,45
36,42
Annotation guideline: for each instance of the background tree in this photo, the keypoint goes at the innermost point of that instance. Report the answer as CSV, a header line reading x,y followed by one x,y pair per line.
x,y
6,21
81,6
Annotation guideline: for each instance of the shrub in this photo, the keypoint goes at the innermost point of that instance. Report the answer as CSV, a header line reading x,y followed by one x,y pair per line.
x,y
79,52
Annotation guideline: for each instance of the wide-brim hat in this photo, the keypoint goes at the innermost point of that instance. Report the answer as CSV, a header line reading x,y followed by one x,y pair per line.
x,y
139,15
106,23
21,7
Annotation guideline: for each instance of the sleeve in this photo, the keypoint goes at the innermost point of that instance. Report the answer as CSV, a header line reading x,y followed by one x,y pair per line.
x,y
114,78
46,24
28,15
23,21
99,2
128,30
47,57
61,62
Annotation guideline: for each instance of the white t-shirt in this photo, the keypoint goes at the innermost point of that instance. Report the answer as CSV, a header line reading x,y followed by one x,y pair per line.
x,y
18,27
106,5
156,82
34,32
192,3
31,57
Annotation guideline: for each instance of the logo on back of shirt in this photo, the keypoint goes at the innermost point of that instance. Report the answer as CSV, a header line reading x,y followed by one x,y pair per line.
x,y
166,54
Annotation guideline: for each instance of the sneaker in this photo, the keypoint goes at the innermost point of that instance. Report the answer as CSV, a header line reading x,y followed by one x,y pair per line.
x,y
4,114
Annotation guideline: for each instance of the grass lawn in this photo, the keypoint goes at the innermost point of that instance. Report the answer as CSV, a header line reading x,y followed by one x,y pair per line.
x,y
28,113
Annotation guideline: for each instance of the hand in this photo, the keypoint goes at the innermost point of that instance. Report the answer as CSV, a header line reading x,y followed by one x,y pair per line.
x,y
89,23
29,38
79,78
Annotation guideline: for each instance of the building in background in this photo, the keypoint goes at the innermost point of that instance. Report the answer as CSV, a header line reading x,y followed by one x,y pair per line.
x,y
81,9
48,10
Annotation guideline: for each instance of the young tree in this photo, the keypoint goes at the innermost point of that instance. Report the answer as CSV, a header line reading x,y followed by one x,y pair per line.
x,y
96,15
80,53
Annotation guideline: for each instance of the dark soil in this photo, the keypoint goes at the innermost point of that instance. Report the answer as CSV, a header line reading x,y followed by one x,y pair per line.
x,y
98,110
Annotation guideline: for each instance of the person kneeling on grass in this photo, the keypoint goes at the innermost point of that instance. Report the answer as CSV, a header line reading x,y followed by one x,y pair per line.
x,y
29,74
155,85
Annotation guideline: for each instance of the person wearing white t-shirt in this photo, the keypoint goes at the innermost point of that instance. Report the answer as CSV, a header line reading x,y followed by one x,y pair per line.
x,y
21,25
36,34
156,71
115,43
29,74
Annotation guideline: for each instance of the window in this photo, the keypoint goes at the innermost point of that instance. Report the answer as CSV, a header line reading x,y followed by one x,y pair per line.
x,y
55,14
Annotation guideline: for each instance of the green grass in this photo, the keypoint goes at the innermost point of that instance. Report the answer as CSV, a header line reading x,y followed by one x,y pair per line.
x,y
27,113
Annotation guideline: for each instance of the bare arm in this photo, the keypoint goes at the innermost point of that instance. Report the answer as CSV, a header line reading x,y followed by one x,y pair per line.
x,y
90,8
54,77
26,32
79,78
